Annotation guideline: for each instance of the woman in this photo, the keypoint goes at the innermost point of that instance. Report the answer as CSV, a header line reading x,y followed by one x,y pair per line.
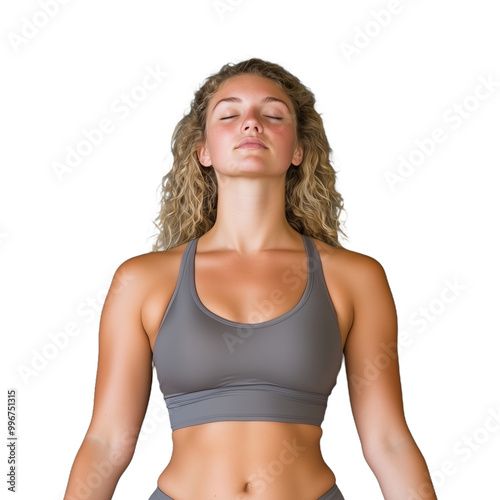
x,y
246,307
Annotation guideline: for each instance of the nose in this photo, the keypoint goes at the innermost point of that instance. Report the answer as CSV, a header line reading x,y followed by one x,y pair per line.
x,y
251,122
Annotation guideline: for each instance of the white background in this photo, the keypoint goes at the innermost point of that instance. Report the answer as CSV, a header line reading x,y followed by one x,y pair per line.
x,y
62,237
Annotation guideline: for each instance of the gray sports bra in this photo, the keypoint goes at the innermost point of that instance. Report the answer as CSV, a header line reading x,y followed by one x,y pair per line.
x,y
212,369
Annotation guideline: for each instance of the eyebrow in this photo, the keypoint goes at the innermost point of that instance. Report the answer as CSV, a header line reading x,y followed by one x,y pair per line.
x,y
237,99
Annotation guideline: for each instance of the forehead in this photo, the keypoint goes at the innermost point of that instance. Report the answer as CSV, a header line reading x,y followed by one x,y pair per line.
x,y
246,87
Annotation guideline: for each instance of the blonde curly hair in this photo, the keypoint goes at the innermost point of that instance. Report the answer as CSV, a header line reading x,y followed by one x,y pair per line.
x,y
189,191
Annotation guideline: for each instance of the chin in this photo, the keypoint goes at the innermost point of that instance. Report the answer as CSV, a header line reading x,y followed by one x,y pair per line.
x,y
253,167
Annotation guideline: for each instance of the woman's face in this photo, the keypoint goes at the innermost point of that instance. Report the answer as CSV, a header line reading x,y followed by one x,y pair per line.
x,y
251,129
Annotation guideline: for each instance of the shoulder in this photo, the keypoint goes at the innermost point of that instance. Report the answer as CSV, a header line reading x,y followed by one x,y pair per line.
x,y
354,269
152,261
139,274
142,287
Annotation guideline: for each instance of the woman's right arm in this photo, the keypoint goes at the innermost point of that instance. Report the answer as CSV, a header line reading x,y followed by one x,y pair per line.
x,y
122,389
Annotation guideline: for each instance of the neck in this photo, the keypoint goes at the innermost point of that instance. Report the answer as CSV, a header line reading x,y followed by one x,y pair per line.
x,y
251,215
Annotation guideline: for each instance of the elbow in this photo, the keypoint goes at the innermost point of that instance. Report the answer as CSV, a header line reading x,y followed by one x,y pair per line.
x,y
120,457
376,450
116,453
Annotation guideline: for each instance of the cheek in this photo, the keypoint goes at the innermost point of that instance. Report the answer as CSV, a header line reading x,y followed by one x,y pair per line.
x,y
218,135
220,143
287,139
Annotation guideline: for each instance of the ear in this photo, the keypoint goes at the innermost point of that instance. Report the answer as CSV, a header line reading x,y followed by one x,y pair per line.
x,y
298,155
204,156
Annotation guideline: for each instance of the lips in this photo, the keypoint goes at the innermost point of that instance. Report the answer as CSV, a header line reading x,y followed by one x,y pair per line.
x,y
251,143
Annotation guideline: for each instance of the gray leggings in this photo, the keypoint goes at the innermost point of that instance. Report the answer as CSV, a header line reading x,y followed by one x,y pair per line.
x,y
332,494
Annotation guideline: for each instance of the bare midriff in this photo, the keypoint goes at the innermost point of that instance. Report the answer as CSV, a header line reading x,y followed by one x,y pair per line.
x,y
246,460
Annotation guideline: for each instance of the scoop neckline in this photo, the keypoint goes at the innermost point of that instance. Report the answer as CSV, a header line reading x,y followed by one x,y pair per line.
x,y
261,324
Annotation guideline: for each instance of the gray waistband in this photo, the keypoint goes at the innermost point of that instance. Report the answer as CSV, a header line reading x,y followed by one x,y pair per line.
x,y
246,402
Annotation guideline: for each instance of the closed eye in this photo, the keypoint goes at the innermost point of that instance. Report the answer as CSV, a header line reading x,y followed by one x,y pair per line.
x,y
267,116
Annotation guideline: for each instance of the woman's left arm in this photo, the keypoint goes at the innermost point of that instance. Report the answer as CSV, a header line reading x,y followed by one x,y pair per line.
x,y
372,369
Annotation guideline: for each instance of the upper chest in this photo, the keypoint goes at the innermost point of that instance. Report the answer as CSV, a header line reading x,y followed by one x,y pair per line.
x,y
250,290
